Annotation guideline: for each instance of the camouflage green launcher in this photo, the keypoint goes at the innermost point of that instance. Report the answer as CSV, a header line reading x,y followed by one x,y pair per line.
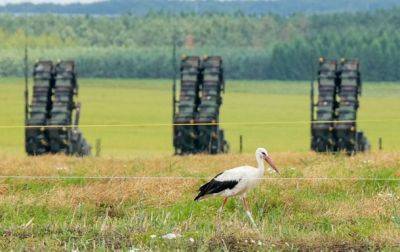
x,y
54,114
202,84
348,139
36,137
323,135
211,137
334,126
185,135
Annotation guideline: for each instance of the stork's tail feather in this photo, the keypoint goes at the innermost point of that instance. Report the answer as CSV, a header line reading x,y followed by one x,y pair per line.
x,y
214,187
198,197
203,191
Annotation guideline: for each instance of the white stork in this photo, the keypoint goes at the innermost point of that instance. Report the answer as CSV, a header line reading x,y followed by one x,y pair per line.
x,y
237,181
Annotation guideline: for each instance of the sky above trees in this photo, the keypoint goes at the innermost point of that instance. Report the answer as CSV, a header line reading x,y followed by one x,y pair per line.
x,y
3,2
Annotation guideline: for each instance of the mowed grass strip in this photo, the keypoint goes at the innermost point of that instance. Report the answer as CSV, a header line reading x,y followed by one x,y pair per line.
x,y
126,101
88,214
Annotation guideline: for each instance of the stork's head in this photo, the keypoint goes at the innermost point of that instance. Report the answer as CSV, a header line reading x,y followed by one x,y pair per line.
x,y
262,154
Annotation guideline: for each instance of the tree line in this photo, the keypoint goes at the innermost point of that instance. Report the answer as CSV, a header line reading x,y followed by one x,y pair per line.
x,y
143,7
253,46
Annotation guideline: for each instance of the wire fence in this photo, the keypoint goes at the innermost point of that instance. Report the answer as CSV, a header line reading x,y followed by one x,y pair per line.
x,y
132,125
187,178
350,179
129,138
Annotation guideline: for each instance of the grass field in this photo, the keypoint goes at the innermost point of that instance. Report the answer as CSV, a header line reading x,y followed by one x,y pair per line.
x,y
134,214
130,214
108,101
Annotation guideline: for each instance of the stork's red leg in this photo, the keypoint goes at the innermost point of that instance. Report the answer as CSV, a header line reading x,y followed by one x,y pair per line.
x,y
223,204
218,224
246,206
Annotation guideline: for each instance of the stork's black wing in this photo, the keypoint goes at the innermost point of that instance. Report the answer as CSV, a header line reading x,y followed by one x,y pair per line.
x,y
215,186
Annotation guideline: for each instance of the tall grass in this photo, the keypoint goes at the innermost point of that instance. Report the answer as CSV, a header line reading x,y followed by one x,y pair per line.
x,y
126,214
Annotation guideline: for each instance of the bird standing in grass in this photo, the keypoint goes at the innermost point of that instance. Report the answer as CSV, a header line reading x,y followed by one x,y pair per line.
x,y
237,181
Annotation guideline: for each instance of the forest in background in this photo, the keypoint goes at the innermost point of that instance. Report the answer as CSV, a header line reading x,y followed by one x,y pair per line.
x,y
253,46
143,7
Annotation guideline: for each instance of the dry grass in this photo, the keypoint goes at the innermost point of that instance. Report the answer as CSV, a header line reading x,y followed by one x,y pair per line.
x,y
143,192
304,215
309,164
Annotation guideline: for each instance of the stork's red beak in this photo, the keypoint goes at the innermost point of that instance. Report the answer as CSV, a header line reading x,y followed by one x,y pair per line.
x,y
271,163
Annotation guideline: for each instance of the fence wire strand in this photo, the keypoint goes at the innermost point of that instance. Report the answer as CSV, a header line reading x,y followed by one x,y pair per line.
x,y
121,125
23,177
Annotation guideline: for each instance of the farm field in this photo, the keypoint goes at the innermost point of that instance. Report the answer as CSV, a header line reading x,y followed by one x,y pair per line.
x,y
292,213
131,193
126,101
134,214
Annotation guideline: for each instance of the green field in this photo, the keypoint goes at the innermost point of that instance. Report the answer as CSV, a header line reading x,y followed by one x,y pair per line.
x,y
117,101
131,214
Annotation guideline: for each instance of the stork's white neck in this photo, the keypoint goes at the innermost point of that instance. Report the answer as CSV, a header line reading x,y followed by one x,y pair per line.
x,y
260,164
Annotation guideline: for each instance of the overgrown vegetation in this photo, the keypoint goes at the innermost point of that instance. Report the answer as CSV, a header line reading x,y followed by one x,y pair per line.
x,y
127,214
253,47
